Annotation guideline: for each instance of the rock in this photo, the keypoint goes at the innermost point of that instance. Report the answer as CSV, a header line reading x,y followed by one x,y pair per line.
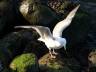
x,y
92,61
36,47
89,7
92,58
1,66
94,1
16,43
61,6
60,64
7,17
25,63
92,69
39,14
13,44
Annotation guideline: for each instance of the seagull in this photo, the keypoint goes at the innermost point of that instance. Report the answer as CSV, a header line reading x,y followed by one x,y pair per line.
x,y
54,40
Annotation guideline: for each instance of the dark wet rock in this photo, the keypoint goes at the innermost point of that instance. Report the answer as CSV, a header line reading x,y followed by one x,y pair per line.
x,y
1,66
36,47
89,7
60,6
7,16
94,1
60,64
16,43
13,44
92,69
25,63
38,13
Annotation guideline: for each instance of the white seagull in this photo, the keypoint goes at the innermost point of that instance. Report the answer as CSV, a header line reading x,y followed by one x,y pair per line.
x,y
54,40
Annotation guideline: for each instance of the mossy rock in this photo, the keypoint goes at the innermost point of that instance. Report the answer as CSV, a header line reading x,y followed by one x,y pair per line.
x,y
13,44
25,63
60,64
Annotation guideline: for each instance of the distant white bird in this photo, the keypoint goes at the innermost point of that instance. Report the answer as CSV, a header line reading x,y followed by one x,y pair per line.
x,y
55,40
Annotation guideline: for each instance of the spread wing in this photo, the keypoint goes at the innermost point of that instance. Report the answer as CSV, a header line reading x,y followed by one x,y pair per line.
x,y
60,26
42,31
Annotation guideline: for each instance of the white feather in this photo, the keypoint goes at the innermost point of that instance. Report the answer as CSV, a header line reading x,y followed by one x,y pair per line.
x,y
60,26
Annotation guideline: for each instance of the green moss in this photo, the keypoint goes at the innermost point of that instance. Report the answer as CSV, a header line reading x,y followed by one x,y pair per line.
x,y
24,63
59,64
65,69
57,67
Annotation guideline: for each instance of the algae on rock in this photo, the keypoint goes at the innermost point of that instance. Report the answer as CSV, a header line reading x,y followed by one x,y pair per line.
x,y
25,63
60,64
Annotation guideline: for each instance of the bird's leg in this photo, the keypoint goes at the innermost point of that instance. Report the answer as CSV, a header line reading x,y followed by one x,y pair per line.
x,y
52,56
54,52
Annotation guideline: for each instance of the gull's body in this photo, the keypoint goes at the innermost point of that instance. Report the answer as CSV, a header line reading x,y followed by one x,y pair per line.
x,y
55,43
54,40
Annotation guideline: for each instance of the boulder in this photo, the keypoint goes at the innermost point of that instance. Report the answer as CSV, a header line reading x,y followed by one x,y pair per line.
x,y
61,6
59,64
7,16
38,13
16,43
13,44
36,47
25,63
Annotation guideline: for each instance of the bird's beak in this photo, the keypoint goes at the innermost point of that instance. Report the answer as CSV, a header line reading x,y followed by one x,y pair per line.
x,y
64,47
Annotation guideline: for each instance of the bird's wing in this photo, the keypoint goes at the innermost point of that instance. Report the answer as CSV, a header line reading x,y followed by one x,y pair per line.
x,y
60,26
42,31
23,27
